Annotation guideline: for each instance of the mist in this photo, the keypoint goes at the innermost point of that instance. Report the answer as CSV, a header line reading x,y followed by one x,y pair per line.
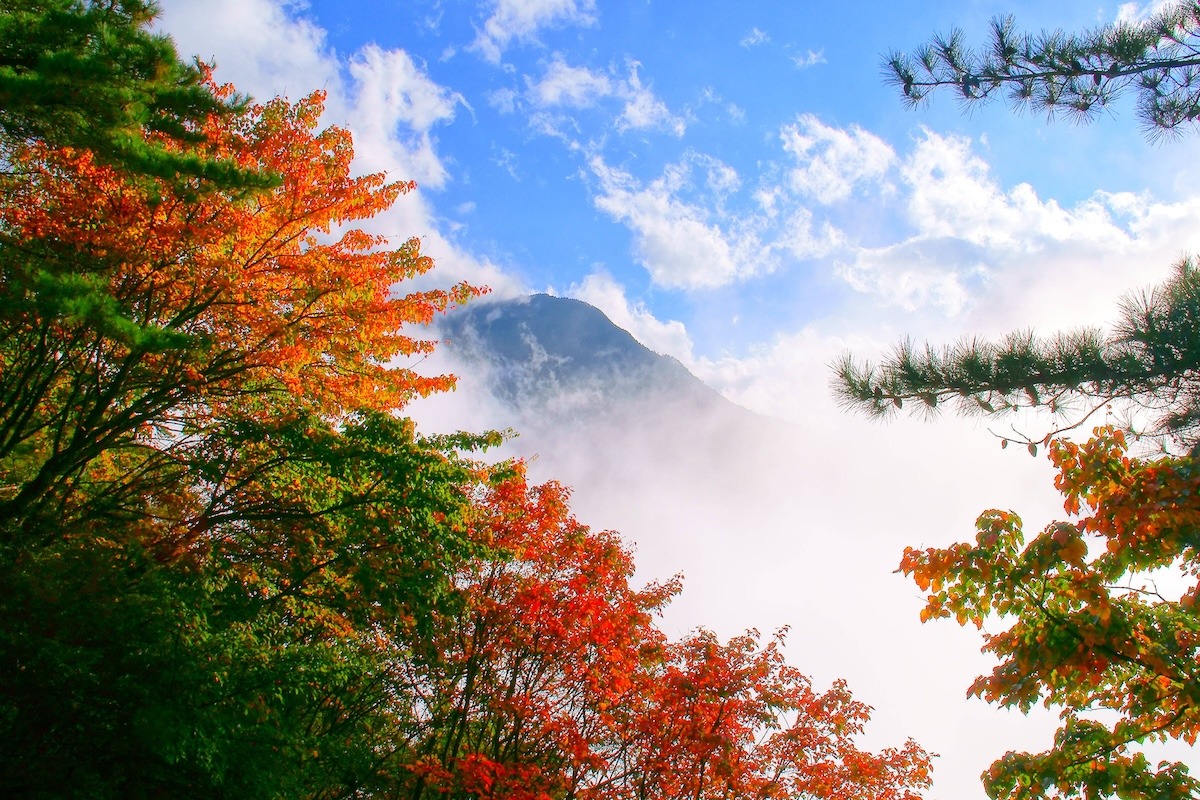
x,y
776,522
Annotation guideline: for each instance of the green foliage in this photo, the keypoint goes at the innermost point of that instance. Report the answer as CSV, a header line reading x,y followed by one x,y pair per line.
x,y
1077,74
1149,359
89,75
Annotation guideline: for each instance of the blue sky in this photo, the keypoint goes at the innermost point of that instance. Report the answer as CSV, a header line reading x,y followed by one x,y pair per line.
x,y
740,170
734,185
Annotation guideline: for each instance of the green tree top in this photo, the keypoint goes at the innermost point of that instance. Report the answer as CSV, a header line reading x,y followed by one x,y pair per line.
x,y
88,74
1078,74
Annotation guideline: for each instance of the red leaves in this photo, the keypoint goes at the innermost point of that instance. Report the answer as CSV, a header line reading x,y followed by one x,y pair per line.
x,y
555,667
276,280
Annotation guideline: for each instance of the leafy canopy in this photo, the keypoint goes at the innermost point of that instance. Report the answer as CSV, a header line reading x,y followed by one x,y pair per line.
x,y
1085,627
88,75
551,679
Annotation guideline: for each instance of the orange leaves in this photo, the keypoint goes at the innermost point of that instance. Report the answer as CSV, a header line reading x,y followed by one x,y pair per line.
x,y
1086,627
556,668
277,281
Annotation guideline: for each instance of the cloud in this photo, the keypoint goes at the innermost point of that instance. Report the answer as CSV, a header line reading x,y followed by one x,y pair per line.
x,y
644,111
832,162
754,37
990,253
565,86
383,96
939,273
602,291
811,58
1141,12
256,42
395,108
521,20
681,244
503,100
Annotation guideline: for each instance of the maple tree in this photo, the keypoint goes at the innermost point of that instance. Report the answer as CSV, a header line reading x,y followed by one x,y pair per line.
x,y
551,680
1088,630
208,513
135,316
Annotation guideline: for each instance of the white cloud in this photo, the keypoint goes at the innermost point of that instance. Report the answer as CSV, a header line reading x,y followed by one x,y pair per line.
x,y
833,161
521,20
386,99
566,86
754,37
679,243
507,160
988,254
503,100
395,108
255,43
938,273
1140,12
644,111
602,291
811,58
803,239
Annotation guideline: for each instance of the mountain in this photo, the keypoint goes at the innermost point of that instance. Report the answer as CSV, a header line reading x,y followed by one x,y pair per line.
x,y
554,355
649,449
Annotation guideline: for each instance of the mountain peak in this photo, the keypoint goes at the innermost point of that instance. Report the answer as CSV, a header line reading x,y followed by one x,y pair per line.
x,y
542,350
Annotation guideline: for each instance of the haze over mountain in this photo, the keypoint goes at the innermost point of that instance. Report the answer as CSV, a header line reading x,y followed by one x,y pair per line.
x,y
562,356
772,523
558,369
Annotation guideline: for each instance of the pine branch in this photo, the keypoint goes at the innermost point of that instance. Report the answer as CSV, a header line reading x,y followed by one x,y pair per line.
x,y
1158,60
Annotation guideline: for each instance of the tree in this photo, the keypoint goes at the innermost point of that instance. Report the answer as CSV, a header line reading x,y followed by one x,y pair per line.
x,y
1085,626
136,316
89,75
1149,361
210,519
1157,59
551,680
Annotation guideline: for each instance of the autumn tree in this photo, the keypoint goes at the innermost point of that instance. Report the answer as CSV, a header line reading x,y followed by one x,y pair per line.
x,y
135,317
210,519
1077,74
1086,626
551,680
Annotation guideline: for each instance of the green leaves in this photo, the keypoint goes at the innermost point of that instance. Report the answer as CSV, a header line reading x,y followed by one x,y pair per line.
x,y
89,75
1148,358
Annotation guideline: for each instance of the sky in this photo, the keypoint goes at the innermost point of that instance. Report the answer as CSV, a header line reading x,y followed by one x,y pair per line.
x,y
736,186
